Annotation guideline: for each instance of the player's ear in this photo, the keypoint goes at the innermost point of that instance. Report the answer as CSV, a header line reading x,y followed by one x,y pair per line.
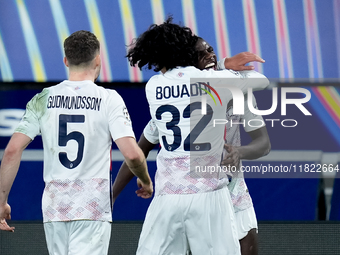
x,y
98,60
65,61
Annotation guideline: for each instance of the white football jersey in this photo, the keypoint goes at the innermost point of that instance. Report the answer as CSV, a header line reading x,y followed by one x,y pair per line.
x,y
77,121
250,122
191,146
151,132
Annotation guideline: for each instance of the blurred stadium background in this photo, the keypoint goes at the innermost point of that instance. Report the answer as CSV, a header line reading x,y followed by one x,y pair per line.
x,y
300,41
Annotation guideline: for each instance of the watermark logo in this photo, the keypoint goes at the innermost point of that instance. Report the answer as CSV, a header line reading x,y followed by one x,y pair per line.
x,y
209,93
204,96
295,96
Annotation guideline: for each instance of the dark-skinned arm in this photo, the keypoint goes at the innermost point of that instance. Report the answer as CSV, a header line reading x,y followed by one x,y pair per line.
x,y
258,147
124,175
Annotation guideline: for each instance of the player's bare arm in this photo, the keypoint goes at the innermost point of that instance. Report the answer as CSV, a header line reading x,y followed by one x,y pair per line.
x,y
239,61
136,162
8,171
124,175
258,147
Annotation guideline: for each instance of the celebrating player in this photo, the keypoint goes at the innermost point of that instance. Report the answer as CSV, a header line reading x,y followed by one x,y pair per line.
x,y
183,199
260,146
77,120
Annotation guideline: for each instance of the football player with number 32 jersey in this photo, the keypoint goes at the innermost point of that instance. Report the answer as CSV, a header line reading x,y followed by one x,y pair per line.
x,y
185,213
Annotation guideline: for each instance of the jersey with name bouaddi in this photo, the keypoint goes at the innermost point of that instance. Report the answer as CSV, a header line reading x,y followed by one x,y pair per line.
x,y
191,147
77,121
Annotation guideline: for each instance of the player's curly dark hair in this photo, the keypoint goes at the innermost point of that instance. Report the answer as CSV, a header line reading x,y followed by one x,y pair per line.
x,y
81,47
166,45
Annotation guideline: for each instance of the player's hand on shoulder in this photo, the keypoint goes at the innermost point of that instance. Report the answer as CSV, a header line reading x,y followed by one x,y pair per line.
x,y
145,189
5,213
239,61
232,158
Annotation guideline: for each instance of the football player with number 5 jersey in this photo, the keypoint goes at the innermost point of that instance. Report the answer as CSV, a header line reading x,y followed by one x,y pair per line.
x,y
77,120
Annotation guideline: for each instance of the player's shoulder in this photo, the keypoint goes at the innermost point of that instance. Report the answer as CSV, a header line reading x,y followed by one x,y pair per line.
x,y
43,95
57,88
112,96
175,73
211,73
107,92
155,79
188,71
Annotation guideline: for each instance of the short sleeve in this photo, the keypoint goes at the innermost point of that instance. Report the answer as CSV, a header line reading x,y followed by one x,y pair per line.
x,y
151,132
252,121
243,80
220,64
251,79
29,124
120,124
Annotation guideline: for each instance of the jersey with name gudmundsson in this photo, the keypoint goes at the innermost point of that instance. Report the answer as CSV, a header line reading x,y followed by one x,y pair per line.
x,y
250,122
77,121
191,147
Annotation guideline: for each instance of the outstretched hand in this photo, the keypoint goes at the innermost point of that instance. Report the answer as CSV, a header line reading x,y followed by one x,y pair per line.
x,y
5,213
239,61
145,190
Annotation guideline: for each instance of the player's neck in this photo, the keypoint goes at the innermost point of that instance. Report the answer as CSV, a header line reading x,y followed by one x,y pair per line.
x,y
81,75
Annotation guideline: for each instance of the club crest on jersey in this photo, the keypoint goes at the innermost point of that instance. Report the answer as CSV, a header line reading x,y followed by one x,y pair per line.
x,y
180,74
126,114
152,126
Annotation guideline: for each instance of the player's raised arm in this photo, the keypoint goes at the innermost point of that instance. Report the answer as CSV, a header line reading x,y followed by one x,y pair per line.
x,y
239,61
242,76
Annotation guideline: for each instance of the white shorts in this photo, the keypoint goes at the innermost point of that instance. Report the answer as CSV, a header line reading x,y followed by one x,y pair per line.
x,y
203,223
78,237
245,221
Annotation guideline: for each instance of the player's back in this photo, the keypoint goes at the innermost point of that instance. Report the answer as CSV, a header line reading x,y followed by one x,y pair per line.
x,y
75,130
189,139
186,136
77,123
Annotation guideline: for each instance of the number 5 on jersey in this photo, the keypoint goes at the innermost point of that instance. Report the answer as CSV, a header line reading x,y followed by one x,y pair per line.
x,y
75,135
